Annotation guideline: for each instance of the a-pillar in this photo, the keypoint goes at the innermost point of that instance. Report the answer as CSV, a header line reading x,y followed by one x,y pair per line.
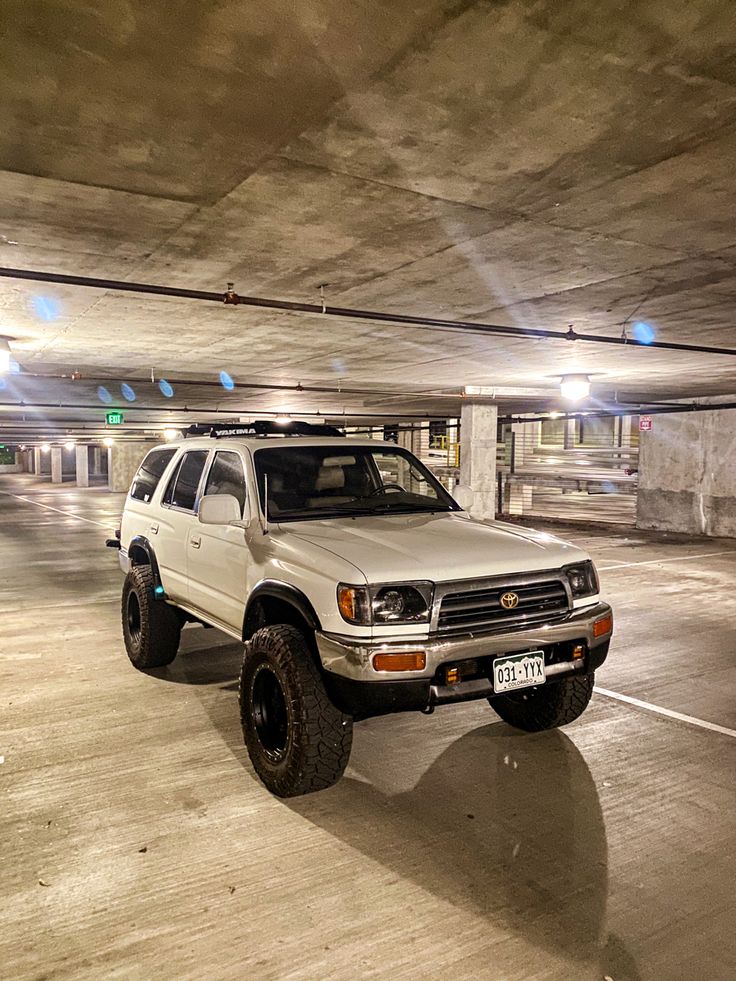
x,y
687,474
123,460
479,425
56,465
82,466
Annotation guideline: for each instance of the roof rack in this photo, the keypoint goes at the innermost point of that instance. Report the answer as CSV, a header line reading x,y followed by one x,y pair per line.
x,y
261,428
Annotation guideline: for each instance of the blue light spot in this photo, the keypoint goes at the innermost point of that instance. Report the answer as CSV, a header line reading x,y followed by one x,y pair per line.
x,y
644,333
166,389
338,366
3,384
226,381
159,590
127,392
103,395
46,307
608,487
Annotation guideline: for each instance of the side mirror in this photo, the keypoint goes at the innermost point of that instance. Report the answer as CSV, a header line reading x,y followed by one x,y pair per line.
x,y
219,509
464,496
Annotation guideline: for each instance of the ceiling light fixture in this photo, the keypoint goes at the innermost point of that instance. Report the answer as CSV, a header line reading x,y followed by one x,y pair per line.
x,y
282,420
574,387
69,445
170,434
108,441
45,447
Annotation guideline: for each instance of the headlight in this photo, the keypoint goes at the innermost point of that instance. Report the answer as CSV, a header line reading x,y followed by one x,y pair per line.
x,y
582,578
395,603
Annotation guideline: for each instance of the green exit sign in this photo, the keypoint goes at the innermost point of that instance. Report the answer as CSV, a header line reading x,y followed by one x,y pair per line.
x,y
115,418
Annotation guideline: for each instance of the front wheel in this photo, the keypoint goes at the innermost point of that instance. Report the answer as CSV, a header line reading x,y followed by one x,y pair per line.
x,y
546,707
298,741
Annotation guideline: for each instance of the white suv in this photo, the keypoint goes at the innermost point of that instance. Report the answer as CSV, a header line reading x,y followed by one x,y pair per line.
x,y
359,586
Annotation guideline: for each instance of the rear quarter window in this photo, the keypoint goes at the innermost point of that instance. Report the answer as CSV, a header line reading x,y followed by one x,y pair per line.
x,y
149,474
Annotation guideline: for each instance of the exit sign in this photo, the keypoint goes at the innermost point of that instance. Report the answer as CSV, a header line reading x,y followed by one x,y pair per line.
x,y
114,418
645,424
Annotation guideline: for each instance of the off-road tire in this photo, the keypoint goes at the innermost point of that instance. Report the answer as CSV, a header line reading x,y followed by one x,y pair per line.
x,y
151,628
298,741
546,707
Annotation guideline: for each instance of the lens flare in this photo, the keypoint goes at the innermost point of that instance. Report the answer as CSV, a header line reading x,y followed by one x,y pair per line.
x,y
166,388
103,395
226,381
644,333
46,307
127,392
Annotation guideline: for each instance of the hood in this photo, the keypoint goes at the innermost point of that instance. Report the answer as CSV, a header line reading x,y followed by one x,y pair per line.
x,y
437,547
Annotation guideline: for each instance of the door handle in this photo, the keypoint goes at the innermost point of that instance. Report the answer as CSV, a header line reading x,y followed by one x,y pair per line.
x,y
154,529
196,541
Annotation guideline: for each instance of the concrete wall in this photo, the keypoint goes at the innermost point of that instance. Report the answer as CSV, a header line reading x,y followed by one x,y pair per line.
x,y
10,468
687,474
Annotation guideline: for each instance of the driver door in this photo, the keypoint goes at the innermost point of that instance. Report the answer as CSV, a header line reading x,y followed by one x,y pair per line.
x,y
218,555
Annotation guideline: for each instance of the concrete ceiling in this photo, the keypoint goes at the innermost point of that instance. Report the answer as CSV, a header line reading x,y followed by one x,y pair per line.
x,y
522,163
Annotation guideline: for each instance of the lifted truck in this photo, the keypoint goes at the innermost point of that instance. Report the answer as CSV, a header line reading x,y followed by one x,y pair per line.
x,y
359,587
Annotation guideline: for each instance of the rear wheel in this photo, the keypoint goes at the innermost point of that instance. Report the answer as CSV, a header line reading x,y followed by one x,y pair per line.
x,y
298,741
546,707
151,628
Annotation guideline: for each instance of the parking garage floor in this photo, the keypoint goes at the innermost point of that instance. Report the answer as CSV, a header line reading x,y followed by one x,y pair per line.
x,y
137,843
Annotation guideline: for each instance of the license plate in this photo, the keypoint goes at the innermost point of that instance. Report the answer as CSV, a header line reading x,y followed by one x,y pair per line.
x,y
518,671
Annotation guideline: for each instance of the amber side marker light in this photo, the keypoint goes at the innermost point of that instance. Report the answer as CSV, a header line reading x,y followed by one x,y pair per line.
x,y
452,676
578,650
414,661
603,626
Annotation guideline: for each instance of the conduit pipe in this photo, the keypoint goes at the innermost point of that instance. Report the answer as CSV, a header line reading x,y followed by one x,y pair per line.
x,y
229,297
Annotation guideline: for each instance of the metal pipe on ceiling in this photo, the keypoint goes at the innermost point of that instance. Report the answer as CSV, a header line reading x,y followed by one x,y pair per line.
x,y
347,313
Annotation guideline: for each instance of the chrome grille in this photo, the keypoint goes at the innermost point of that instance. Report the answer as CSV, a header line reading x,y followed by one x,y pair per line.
x,y
478,610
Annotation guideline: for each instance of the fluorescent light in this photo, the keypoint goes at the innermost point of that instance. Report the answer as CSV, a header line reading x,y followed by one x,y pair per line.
x,y
4,356
170,434
108,441
574,387
45,447
69,445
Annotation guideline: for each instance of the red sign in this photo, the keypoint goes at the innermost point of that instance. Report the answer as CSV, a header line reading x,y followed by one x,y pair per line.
x,y
645,424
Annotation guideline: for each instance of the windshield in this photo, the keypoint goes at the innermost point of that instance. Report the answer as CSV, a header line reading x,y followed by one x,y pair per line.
x,y
328,481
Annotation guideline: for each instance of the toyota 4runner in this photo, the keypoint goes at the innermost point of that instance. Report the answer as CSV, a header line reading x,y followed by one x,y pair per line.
x,y
359,586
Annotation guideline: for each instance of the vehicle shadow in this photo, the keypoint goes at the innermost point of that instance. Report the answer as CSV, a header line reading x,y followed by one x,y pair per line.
x,y
503,824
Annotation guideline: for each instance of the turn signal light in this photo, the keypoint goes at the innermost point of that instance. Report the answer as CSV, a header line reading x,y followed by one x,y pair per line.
x,y
603,626
578,650
452,676
414,661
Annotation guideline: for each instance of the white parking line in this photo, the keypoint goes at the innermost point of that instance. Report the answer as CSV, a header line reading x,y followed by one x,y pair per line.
x,y
691,720
67,514
675,558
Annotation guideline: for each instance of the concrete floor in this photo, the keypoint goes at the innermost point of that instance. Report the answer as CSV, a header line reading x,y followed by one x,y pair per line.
x,y
137,843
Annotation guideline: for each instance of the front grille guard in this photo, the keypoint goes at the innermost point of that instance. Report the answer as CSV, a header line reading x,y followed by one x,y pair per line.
x,y
508,582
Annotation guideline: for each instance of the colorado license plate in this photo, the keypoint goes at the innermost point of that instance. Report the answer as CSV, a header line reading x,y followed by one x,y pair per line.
x,y
518,671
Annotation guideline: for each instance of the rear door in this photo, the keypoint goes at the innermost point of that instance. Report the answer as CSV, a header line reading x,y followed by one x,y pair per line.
x,y
174,521
218,554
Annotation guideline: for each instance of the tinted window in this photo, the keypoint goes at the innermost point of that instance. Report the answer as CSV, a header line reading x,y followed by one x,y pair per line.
x,y
182,489
151,470
227,477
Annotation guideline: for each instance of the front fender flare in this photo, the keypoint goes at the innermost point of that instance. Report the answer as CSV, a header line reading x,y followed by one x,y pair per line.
x,y
286,593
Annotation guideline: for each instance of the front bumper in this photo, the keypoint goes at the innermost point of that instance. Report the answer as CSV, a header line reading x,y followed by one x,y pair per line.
x,y
356,687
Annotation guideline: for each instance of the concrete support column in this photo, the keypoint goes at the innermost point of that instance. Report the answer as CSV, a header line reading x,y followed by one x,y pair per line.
x,y
687,474
123,460
82,466
97,460
37,460
478,456
569,434
56,465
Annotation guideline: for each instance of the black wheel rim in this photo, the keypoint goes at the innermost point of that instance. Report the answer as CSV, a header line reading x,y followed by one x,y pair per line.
x,y
270,714
133,614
